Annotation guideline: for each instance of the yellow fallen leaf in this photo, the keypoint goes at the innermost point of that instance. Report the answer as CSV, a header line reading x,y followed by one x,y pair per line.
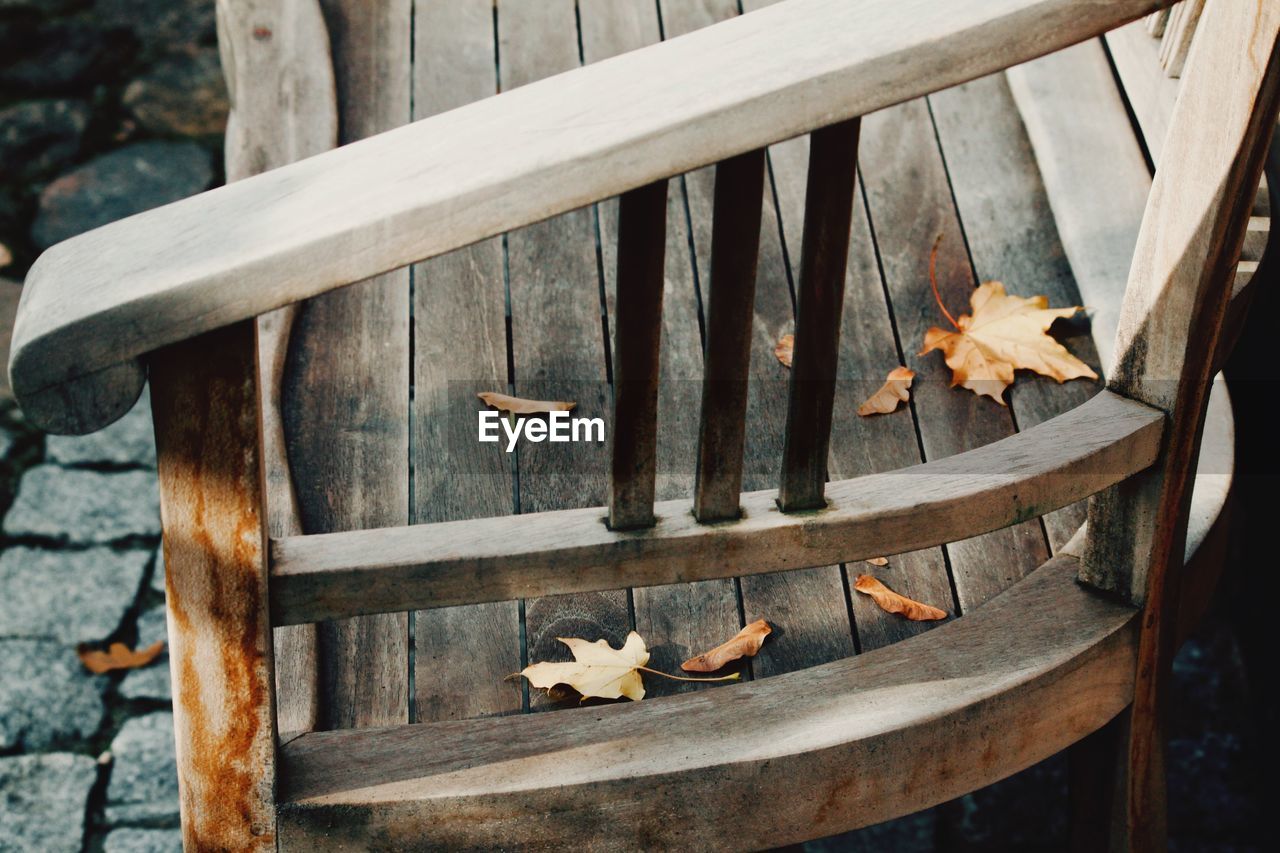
x,y
118,656
1004,333
893,602
744,644
877,561
597,669
521,406
896,389
785,349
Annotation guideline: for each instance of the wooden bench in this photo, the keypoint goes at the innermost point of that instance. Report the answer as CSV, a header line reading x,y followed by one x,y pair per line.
x,y
352,577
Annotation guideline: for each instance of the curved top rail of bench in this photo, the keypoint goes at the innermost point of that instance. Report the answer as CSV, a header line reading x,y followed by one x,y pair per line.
x,y
95,304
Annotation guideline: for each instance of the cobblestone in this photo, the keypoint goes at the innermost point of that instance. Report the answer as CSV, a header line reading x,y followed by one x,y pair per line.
x,y
81,507
143,841
72,596
129,441
46,697
44,801
143,790
152,681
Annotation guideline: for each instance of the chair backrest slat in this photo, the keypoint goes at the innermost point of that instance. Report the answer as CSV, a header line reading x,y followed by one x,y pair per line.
x,y
828,215
735,246
642,233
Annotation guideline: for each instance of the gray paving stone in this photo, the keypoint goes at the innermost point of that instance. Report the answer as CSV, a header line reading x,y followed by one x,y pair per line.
x,y
123,182
143,841
143,790
69,595
46,696
43,801
37,137
152,681
128,441
183,95
84,507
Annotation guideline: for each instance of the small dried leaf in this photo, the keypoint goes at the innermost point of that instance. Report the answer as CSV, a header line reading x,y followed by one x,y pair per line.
x,y
520,406
892,602
118,656
896,389
878,561
6,257
785,349
597,669
745,644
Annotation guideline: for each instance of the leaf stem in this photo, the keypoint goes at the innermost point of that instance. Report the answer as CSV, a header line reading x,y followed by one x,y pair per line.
x,y
933,281
734,676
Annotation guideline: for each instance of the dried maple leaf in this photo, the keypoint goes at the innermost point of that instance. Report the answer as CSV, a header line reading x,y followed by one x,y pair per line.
x,y
597,669
118,656
1003,334
520,406
896,389
744,644
785,349
893,602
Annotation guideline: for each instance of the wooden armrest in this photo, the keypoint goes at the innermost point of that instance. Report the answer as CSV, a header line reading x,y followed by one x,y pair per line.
x,y
95,304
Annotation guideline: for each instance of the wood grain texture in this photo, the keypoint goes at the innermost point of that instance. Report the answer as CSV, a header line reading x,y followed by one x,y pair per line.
x,y
735,249
824,253
678,620
637,336
448,181
463,655
284,107
872,737
910,203
1149,92
345,390
1023,476
204,398
558,346
1012,236
1171,320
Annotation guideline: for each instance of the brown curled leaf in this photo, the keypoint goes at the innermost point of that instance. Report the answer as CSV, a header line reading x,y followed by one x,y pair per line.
x,y
878,561
896,389
520,406
893,602
118,656
745,644
785,349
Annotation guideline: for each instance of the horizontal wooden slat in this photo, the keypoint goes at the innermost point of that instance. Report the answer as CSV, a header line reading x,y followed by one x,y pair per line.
x,y
1061,461
837,746
95,303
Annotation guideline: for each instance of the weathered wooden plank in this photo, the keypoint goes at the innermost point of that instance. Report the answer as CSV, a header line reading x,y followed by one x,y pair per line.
x,y
824,252
1012,236
637,336
1178,36
204,398
270,49
910,204
463,655
730,303
449,181
1148,91
1057,462
557,342
838,746
1170,324
679,620
345,391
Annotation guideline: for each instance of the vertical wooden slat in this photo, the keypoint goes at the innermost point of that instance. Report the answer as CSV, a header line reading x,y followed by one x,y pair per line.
x,y
269,50
735,246
204,395
346,388
642,225
833,160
